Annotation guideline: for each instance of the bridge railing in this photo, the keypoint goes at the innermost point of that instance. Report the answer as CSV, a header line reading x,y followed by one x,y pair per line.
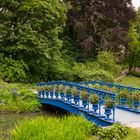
x,y
128,97
81,96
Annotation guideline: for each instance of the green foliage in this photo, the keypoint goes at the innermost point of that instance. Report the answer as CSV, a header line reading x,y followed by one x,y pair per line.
x,y
134,134
124,93
50,88
96,86
13,70
84,95
105,87
107,62
130,81
89,71
56,88
17,98
109,103
0,135
61,87
113,89
94,98
136,96
90,85
134,44
74,91
116,132
29,33
67,90
67,128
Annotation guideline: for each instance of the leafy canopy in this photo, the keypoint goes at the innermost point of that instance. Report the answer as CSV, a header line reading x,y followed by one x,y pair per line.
x,y
29,33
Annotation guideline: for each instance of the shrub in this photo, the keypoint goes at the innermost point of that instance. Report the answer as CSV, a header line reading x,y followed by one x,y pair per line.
x,y
50,88
105,87
45,128
74,91
84,94
116,132
113,89
96,86
61,88
107,62
94,98
56,88
91,85
124,93
67,90
39,88
136,96
109,103
18,98
89,71
43,88
13,70
46,87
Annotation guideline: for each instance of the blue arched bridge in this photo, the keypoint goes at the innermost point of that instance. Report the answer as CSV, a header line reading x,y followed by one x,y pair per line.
x,y
99,102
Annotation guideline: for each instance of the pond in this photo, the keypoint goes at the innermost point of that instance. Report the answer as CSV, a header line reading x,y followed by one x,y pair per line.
x,y
8,121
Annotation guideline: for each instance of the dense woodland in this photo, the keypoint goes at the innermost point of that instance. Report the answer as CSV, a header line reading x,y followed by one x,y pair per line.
x,y
73,40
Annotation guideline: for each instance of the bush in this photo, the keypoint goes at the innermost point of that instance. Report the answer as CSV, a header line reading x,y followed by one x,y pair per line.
x,y
107,62
136,96
61,87
116,132
109,103
13,70
74,91
105,87
94,98
44,128
17,98
124,93
84,95
67,90
88,71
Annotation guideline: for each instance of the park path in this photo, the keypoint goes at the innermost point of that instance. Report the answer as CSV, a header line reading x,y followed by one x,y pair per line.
x,y
124,74
127,118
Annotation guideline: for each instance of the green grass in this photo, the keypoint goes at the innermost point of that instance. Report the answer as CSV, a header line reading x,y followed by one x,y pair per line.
x,y
45,128
24,100
133,135
130,81
0,135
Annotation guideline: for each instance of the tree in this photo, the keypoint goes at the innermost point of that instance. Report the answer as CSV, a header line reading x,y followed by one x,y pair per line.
x,y
29,32
134,34
100,24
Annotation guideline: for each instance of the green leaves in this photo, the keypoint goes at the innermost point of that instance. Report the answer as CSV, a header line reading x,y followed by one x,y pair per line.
x,y
11,70
29,33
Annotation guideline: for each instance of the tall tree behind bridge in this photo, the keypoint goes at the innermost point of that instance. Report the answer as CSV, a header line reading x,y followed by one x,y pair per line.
x,y
100,24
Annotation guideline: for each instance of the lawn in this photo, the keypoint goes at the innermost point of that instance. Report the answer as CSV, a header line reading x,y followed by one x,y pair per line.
x,y
133,135
130,81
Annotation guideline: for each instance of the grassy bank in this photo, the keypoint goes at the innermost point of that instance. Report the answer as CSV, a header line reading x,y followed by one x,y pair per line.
x,y
133,135
17,98
130,81
66,128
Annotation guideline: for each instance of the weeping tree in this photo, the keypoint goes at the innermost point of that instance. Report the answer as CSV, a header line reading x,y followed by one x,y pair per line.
x,y
100,24
29,37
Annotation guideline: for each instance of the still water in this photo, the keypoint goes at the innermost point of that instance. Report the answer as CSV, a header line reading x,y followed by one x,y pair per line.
x,y
8,121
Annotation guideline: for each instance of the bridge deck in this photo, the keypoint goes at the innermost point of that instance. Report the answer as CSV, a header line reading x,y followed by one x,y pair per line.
x,y
127,118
